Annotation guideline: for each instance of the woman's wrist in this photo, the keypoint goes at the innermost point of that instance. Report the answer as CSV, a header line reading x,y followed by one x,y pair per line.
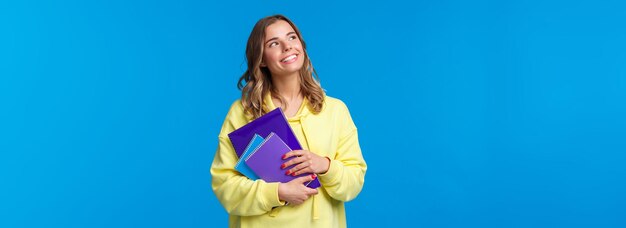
x,y
327,166
280,191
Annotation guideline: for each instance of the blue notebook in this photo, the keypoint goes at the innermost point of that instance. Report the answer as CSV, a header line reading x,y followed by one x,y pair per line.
x,y
241,166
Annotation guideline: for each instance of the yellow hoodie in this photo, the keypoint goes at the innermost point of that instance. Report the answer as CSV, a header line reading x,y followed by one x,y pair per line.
x,y
330,133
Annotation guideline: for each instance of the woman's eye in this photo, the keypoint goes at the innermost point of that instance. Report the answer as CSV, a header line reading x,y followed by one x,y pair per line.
x,y
273,44
292,38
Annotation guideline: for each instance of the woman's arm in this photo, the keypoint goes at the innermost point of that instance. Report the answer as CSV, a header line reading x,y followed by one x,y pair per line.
x,y
238,194
345,176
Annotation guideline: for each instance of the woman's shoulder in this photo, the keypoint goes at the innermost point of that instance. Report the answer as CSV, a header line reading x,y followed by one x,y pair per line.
x,y
234,119
333,101
236,106
337,110
236,112
334,104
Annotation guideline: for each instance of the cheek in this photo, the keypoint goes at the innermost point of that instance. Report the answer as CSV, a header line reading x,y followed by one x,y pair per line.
x,y
269,56
298,46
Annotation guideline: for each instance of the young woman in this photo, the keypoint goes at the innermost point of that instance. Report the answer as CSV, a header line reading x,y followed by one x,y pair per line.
x,y
280,74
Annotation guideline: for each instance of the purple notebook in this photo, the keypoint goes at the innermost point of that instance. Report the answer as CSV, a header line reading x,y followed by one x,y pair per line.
x,y
274,121
265,161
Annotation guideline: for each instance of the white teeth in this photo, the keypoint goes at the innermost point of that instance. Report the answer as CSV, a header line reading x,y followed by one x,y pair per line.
x,y
289,58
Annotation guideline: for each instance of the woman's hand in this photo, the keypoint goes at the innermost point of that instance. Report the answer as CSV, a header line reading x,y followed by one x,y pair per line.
x,y
306,162
294,192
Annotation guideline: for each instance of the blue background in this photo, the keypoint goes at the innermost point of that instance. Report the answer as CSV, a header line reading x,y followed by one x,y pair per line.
x,y
470,113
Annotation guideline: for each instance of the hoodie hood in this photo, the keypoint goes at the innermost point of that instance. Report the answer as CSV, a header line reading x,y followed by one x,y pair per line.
x,y
303,111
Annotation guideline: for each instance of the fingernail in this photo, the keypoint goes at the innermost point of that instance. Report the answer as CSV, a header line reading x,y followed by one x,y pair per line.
x,y
282,166
287,173
284,155
293,174
313,176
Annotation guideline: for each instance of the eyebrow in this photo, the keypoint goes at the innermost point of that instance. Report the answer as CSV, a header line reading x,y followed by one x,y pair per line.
x,y
275,38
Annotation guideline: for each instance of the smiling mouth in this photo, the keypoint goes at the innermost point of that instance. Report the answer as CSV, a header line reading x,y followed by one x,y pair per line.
x,y
289,58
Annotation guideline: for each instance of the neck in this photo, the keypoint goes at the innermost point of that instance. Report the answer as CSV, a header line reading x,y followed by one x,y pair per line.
x,y
287,86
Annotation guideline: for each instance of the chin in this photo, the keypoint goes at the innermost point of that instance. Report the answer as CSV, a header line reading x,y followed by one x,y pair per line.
x,y
292,69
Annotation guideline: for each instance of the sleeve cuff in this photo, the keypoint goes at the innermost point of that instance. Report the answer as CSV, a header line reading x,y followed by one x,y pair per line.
x,y
333,173
271,195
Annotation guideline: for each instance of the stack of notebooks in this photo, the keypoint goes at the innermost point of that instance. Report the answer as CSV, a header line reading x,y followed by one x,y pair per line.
x,y
260,146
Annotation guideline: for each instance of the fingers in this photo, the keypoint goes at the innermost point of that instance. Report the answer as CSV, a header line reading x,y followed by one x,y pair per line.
x,y
303,192
305,179
301,198
296,160
293,153
304,167
297,202
310,192
304,160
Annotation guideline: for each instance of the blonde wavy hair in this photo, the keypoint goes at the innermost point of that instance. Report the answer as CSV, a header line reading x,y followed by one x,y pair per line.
x,y
256,82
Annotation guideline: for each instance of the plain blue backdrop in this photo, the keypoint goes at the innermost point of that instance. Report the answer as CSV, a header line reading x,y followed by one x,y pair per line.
x,y
470,113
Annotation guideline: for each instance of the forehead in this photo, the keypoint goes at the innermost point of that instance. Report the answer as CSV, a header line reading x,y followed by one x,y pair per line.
x,y
278,29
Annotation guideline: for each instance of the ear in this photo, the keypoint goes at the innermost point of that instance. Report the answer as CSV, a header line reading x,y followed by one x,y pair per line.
x,y
263,64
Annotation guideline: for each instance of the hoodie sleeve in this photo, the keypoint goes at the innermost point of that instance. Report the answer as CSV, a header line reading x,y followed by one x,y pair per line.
x,y
238,194
345,177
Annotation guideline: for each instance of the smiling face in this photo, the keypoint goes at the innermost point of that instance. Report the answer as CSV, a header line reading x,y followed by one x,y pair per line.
x,y
282,49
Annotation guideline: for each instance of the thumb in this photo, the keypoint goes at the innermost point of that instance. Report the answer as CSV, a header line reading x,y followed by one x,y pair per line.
x,y
311,192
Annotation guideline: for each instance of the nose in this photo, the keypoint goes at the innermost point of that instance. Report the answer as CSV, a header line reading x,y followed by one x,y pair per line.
x,y
287,47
